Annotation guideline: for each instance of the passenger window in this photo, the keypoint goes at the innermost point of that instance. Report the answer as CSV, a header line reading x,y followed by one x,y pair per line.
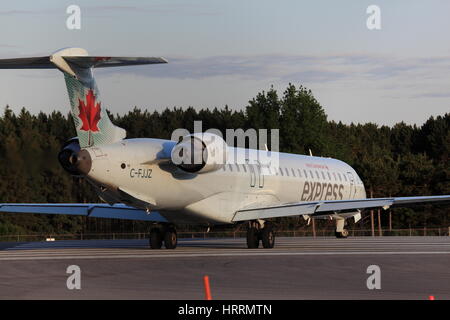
x,y
293,172
230,167
323,175
287,172
306,174
311,173
334,175
329,176
345,177
299,173
281,171
317,174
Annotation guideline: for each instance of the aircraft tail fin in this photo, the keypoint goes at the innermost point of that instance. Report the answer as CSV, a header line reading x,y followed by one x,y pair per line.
x,y
91,119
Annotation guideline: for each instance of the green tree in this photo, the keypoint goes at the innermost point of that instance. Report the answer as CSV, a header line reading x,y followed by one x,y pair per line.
x,y
303,122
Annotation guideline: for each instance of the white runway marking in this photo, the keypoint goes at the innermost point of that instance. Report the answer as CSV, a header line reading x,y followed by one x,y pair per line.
x,y
188,248
198,255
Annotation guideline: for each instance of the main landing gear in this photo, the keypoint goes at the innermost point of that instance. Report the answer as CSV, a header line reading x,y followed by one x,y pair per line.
x,y
166,234
260,231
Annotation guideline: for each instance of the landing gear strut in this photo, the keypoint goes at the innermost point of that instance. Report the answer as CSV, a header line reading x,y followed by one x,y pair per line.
x,y
260,231
341,233
166,234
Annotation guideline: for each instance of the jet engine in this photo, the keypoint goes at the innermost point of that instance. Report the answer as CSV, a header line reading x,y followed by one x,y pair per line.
x,y
75,161
200,153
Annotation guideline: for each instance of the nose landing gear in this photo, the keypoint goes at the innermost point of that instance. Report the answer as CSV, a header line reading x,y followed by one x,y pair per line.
x,y
166,234
340,232
341,235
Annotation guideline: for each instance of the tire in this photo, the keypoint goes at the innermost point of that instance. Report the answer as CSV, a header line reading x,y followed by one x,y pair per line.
x,y
155,238
342,235
268,237
170,238
252,238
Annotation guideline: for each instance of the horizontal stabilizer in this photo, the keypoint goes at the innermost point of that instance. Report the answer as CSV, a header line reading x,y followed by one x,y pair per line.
x,y
92,123
102,62
27,63
79,61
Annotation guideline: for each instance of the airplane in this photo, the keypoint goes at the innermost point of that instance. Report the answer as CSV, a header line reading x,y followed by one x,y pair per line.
x,y
157,180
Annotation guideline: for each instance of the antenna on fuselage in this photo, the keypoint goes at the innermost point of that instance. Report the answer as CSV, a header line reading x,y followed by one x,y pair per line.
x,y
310,152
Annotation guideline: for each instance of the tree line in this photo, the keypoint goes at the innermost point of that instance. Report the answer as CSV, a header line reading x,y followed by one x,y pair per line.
x,y
400,160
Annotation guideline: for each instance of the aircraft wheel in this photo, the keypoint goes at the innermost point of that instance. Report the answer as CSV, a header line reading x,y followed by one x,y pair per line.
x,y
170,238
342,235
252,238
267,237
155,238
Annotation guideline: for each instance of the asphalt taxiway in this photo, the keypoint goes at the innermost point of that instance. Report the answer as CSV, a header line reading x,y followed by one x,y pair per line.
x,y
297,268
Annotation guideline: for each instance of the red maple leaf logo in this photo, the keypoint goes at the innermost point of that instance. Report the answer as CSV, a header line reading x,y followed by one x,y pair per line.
x,y
89,112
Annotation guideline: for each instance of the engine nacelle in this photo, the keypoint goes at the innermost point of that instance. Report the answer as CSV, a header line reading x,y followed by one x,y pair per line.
x,y
75,161
200,153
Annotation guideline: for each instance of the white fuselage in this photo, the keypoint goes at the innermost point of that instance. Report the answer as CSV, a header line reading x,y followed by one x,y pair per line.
x,y
138,172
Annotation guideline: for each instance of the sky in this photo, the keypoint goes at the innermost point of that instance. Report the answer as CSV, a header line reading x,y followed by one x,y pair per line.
x,y
225,52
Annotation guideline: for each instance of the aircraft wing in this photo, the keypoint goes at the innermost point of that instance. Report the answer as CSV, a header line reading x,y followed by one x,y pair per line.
x,y
330,207
96,210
